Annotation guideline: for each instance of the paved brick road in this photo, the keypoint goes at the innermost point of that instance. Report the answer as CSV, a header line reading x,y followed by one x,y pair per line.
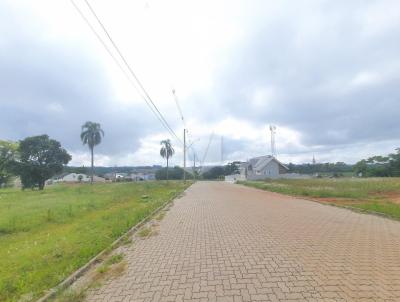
x,y
224,242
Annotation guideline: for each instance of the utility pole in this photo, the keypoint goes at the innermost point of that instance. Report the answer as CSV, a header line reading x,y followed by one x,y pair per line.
x,y
184,155
194,165
222,150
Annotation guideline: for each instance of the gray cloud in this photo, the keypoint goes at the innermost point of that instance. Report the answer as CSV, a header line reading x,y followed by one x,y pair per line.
x,y
314,74
50,87
329,70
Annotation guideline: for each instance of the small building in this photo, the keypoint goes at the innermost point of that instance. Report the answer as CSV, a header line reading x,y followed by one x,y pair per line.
x,y
75,177
263,167
141,176
116,176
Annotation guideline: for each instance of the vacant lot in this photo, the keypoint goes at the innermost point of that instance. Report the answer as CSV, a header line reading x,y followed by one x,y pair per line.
x,y
44,236
371,194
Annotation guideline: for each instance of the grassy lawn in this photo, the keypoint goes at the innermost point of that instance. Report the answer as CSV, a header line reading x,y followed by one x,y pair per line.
x,y
370,194
45,236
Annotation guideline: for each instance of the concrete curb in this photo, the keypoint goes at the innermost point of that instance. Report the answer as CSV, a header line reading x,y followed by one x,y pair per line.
x,y
96,259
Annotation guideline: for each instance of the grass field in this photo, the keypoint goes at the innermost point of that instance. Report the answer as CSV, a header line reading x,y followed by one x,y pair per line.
x,y
380,195
46,235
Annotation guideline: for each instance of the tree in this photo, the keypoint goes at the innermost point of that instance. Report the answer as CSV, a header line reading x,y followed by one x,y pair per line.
x,y
80,177
91,135
174,173
232,168
78,170
394,163
217,172
166,151
40,158
8,153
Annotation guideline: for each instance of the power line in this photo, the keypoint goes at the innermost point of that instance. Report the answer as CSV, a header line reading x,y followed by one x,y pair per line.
x,y
150,103
126,63
179,107
114,58
129,67
184,125
208,146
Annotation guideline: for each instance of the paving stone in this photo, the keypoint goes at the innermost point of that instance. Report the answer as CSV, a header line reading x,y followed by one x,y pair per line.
x,y
225,242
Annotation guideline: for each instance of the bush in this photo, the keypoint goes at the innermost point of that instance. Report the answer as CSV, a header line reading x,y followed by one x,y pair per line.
x,y
173,173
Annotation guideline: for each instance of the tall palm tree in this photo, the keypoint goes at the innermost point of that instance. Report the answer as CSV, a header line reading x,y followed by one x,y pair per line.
x,y
166,151
91,135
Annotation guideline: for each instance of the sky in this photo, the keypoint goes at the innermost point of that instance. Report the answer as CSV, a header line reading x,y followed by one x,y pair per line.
x,y
326,73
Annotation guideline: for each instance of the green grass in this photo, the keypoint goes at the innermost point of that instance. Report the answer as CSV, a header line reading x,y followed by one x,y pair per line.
x,y
46,235
114,259
145,232
368,194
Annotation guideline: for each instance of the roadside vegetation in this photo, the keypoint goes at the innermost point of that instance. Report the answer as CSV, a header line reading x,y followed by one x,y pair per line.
x,y
46,235
219,172
380,195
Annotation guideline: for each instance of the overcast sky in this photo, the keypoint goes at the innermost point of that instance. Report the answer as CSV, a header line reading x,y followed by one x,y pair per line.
x,y
326,73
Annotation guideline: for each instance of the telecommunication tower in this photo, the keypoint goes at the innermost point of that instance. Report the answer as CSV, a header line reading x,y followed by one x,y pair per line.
x,y
272,129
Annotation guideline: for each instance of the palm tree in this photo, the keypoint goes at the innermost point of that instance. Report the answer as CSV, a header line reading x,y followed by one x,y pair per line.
x,y
91,135
166,151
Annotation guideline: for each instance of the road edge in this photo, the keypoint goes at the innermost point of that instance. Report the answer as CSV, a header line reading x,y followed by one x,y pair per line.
x,y
96,259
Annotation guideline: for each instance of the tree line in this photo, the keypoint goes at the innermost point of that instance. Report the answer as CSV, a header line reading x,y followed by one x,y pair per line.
x,y
337,168
379,166
36,159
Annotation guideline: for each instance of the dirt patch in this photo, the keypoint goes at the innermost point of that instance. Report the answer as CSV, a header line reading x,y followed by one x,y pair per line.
x,y
392,196
340,201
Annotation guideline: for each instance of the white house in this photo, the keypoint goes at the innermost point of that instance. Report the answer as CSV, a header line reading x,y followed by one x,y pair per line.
x,y
263,167
139,176
76,177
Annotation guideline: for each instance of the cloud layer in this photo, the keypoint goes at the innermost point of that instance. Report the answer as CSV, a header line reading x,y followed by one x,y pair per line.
x,y
326,73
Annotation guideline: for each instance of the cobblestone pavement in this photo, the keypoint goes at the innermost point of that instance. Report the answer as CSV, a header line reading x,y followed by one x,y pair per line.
x,y
225,242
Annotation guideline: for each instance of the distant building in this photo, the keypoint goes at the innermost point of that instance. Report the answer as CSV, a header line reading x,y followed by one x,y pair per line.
x,y
140,176
75,177
263,167
116,176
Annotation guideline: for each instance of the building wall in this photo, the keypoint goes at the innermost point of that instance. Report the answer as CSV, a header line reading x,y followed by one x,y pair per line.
x,y
271,170
74,177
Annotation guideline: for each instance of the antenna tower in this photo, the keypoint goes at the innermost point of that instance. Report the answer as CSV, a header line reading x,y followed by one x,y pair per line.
x,y
272,128
222,150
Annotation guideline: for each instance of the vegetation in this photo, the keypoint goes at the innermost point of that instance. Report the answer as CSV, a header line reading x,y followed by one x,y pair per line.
x,y
91,135
372,194
333,169
219,172
175,173
78,170
46,235
113,266
110,261
8,154
145,232
104,170
375,166
379,166
39,158
166,151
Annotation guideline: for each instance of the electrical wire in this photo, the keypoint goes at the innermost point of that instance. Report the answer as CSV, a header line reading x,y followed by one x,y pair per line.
x,y
208,146
129,67
146,96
